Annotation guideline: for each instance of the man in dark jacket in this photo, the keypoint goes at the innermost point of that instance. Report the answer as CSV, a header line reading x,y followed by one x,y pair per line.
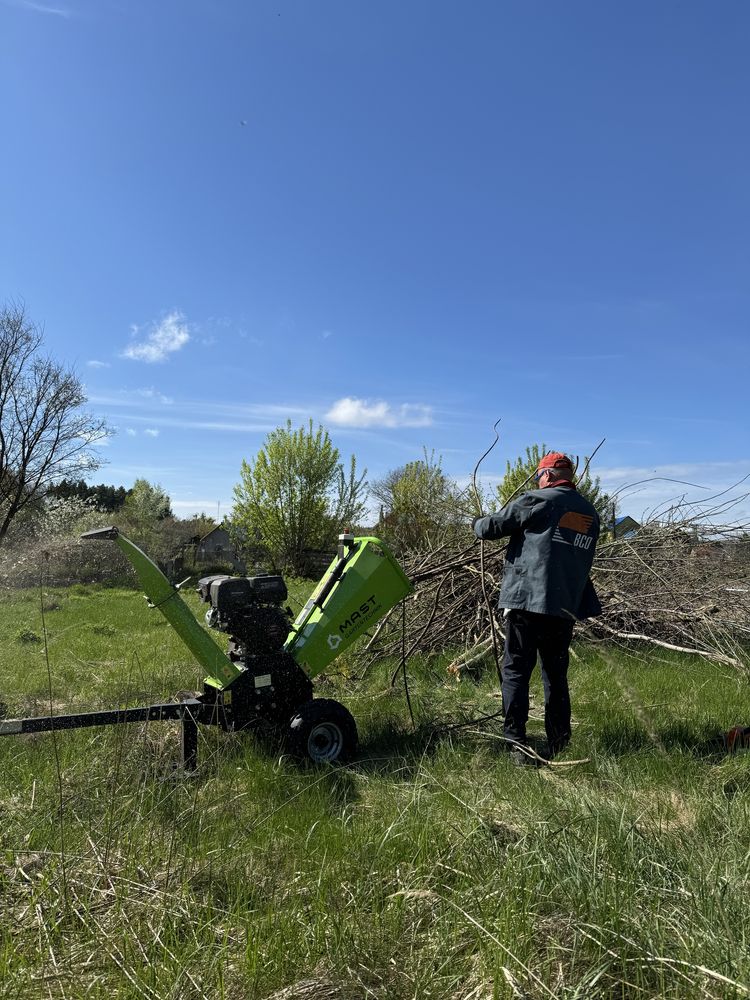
x,y
546,588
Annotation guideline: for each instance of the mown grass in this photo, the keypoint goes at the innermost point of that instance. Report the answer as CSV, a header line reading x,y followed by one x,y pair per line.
x,y
430,867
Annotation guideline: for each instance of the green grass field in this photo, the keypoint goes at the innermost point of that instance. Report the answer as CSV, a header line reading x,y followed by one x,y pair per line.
x,y
430,867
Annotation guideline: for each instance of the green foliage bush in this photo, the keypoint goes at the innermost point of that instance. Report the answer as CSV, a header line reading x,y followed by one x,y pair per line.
x,y
296,496
146,503
420,506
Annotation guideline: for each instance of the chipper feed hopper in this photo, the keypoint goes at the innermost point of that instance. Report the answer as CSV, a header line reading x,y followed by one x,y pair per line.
x,y
266,674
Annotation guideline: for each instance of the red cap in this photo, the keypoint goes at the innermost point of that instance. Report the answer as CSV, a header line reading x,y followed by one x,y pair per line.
x,y
555,460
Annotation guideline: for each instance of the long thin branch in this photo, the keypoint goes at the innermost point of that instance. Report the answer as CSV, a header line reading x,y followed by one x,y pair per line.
x,y
482,574
707,654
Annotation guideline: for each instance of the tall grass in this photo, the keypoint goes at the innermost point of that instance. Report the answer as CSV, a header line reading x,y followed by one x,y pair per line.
x,y
430,867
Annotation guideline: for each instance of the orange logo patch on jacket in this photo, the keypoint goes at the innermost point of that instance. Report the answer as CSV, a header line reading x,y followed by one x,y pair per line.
x,y
576,522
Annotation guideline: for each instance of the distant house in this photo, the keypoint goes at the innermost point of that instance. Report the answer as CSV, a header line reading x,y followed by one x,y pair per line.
x,y
625,527
217,546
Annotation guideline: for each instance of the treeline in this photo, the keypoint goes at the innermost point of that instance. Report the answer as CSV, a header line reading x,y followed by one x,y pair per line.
x,y
142,498
105,498
293,499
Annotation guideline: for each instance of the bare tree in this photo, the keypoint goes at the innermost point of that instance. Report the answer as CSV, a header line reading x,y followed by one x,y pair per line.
x,y
44,434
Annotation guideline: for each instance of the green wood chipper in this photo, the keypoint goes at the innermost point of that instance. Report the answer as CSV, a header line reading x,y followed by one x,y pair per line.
x,y
266,674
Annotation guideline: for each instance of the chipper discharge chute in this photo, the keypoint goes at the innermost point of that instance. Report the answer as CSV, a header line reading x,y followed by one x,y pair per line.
x,y
266,674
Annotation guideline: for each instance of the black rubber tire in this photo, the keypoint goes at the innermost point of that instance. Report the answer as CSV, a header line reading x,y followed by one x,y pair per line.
x,y
322,731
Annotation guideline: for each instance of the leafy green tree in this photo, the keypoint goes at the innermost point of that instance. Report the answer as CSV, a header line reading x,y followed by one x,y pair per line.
x,y
519,476
296,495
146,504
420,507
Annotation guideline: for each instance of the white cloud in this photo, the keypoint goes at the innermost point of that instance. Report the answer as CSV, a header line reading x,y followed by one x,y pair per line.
x,y
155,394
353,412
166,338
326,334
97,364
152,432
131,432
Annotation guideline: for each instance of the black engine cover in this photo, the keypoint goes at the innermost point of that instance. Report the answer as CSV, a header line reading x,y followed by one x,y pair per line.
x,y
260,628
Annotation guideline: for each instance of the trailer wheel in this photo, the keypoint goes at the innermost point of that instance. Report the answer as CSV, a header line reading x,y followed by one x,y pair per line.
x,y
322,731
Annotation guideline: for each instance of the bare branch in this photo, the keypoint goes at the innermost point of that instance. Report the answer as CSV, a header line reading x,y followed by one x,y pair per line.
x,y
44,434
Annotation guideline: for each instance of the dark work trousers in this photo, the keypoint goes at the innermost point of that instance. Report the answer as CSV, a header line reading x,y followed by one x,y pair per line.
x,y
527,634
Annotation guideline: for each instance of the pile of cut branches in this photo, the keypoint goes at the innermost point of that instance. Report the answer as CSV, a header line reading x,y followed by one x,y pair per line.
x,y
677,582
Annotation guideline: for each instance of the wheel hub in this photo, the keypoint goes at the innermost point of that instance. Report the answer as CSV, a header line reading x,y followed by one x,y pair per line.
x,y
325,741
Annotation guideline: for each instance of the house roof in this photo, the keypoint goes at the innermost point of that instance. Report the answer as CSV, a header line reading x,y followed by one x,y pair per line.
x,y
218,527
626,518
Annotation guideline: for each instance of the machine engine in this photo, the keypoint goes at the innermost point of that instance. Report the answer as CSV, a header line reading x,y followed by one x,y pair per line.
x,y
249,610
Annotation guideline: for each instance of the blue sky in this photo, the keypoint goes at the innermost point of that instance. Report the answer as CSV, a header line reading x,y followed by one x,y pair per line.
x,y
402,219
